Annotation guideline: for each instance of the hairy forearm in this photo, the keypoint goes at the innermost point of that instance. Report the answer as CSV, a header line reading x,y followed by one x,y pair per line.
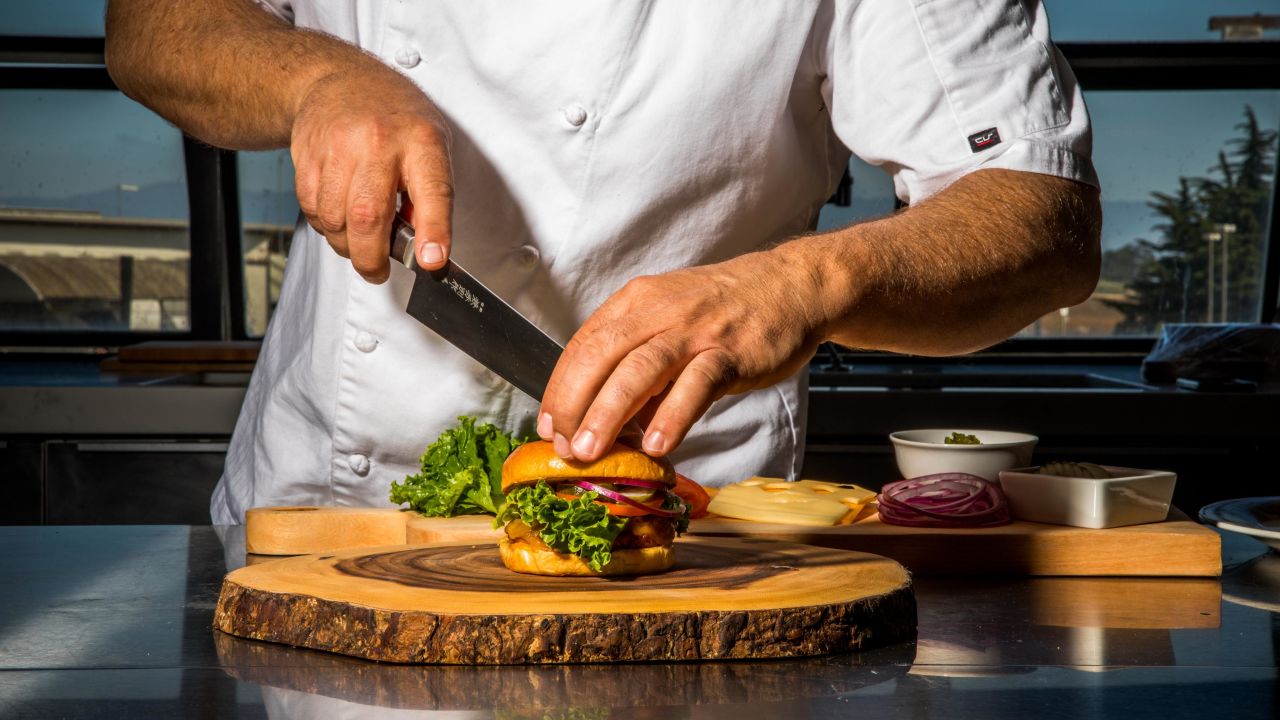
x,y
224,71
959,272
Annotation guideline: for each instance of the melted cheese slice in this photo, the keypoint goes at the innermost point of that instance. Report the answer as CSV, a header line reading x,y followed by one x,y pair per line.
x,y
804,502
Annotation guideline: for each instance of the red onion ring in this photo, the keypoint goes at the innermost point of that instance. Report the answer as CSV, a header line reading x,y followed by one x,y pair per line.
x,y
623,499
943,500
632,482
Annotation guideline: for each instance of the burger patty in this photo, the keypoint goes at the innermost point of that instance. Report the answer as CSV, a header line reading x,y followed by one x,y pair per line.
x,y
641,532
645,531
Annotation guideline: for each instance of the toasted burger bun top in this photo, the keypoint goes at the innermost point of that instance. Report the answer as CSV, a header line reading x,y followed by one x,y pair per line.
x,y
538,460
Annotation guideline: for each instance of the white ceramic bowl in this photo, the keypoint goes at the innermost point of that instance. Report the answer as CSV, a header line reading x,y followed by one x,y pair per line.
x,y
1128,497
923,452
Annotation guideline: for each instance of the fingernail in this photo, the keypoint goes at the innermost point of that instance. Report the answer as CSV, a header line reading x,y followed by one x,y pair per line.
x,y
655,443
544,426
584,443
432,253
562,447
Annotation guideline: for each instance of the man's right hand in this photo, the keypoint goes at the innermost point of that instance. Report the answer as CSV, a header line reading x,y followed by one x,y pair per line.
x,y
233,75
357,141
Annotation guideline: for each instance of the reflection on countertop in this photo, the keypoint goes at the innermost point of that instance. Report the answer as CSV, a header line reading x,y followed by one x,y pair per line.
x,y
116,621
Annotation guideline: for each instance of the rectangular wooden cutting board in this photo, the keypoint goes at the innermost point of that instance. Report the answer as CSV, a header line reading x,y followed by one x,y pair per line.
x,y
1178,547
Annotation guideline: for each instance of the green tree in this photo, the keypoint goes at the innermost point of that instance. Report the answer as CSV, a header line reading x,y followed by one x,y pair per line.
x,y
1172,285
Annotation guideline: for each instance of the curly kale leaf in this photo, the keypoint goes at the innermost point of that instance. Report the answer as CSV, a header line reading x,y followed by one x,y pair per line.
x,y
461,472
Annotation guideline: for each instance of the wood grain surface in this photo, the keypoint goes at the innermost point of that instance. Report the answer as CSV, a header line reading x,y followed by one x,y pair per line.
x,y
1178,547
185,351
457,604
304,529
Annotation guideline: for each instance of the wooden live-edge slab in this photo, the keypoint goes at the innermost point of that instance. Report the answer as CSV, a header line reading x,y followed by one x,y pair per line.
x,y
1178,547
457,604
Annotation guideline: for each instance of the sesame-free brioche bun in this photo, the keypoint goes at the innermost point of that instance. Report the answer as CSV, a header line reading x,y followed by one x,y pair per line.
x,y
524,557
538,460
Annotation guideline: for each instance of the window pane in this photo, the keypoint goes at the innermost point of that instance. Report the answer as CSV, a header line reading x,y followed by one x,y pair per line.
x,y
1186,200
93,214
1147,20
65,18
268,212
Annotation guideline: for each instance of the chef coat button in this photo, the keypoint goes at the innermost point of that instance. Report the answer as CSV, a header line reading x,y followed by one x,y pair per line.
x,y
575,115
366,342
528,255
358,463
408,57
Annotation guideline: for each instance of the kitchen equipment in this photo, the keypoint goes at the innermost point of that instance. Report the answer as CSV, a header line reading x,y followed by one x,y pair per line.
x,y
1177,547
924,452
457,604
1128,497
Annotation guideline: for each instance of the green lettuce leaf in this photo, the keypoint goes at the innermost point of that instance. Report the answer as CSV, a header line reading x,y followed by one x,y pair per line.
x,y
578,526
461,472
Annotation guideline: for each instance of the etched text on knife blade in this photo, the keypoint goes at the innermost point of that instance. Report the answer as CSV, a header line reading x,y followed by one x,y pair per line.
x,y
466,295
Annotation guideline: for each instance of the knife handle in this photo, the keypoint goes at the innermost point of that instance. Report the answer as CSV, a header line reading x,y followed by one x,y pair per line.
x,y
402,235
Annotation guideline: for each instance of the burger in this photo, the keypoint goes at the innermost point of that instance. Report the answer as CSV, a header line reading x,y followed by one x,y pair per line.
x,y
615,516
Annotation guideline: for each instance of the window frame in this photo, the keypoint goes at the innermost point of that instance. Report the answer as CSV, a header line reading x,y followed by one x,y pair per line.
x,y
1139,66
53,63
217,303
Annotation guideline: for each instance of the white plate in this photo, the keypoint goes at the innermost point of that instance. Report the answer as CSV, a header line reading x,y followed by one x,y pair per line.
x,y
1255,584
1257,517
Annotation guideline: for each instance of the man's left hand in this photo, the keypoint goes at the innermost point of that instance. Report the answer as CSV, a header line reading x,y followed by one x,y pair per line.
x,y
680,340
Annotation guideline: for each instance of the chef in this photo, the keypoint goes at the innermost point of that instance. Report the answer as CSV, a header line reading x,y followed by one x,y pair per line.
x,y
639,179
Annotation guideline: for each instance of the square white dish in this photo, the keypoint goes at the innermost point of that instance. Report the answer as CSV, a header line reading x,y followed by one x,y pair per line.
x,y
1128,497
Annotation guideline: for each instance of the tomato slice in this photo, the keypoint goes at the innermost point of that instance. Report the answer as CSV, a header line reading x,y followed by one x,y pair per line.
x,y
624,510
694,495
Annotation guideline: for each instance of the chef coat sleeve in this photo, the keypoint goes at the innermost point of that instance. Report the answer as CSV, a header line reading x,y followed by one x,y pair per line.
x,y
931,90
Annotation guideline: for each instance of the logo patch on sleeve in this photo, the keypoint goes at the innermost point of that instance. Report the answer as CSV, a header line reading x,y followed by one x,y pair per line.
x,y
984,139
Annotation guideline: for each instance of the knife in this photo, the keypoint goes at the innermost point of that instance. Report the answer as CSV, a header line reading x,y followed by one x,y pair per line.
x,y
463,311
460,309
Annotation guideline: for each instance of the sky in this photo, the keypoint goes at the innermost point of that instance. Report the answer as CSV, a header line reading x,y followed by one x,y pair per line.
x,y
71,144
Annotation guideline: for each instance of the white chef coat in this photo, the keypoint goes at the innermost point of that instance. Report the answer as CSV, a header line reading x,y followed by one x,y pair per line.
x,y
595,141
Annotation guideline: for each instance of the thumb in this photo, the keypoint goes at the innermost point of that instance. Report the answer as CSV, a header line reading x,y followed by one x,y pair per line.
x,y
429,209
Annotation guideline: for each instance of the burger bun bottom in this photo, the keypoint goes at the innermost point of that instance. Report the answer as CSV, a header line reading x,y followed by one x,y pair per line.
x,y
525,558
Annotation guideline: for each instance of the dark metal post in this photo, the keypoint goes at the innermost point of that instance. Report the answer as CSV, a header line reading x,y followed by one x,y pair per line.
x,y
126,291
208,273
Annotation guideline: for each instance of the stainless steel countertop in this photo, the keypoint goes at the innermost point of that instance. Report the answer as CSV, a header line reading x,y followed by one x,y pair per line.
x,y
116,622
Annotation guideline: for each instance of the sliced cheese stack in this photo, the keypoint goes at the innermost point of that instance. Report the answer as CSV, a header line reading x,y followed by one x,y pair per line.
x,y
804,502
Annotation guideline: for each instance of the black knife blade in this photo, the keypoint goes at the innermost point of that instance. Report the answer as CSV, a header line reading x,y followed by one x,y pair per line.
x,y
475,320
